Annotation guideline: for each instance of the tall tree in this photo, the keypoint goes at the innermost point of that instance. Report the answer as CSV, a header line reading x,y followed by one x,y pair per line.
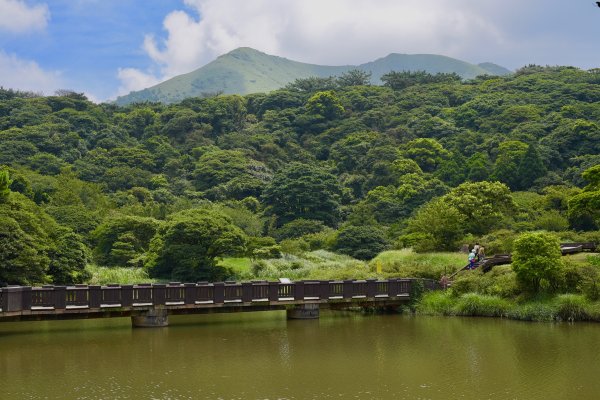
x,y
304,191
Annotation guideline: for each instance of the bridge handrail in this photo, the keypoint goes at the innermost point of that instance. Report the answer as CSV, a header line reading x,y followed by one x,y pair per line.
x,y
48,297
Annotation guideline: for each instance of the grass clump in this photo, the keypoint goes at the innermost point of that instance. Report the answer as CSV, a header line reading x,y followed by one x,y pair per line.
x,y
535,311
436,303
474,304
571,307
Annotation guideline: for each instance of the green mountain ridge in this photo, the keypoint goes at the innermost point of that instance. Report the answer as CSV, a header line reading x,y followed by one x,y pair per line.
x,y
245,70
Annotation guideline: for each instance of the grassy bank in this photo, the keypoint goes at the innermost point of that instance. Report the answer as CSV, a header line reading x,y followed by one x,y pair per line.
x,y
563,307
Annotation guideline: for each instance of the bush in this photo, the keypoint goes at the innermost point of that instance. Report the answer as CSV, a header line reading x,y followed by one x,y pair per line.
x,y
500,281
537,261
499,242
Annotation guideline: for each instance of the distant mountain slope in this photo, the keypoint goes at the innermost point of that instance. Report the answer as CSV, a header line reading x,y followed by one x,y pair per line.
x,y
246,70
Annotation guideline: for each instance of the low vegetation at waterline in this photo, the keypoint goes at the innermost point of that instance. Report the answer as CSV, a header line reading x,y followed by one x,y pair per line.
x,y
562,307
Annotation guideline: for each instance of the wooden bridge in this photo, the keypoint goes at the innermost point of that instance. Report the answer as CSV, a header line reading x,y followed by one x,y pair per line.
x,y
150,304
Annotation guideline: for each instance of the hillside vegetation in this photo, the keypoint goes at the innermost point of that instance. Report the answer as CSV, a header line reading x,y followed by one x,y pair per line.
x,y
320,177
245,70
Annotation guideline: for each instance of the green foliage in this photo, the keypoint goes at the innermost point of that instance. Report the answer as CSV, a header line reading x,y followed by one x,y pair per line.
x,y
441,223
304,191
588,201
187,246
325,104
537,261
298,228
473,304
123,240
406,262
361,242
571,307
5,183
483,205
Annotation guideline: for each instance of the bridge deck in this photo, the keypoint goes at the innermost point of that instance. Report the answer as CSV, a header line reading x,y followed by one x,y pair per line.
x,y
72,302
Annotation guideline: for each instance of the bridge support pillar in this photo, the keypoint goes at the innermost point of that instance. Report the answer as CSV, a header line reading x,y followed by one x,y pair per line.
x,y
152,318
303,311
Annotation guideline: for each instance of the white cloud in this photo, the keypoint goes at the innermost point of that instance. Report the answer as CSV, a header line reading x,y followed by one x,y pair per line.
x,y
318,31
134,79
18,17
16,73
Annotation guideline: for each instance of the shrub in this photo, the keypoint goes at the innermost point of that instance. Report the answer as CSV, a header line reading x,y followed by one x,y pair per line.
x,y
537,261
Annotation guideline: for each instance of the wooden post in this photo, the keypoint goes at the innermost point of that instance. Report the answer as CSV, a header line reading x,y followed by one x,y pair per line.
x,y
324,290
219,293
159,294
189,293
371,288
60,297
246,292
299,291
348,289
392,287
126,295
95,296
273,291
26,297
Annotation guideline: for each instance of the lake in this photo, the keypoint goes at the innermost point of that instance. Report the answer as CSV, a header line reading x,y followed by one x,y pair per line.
x,y
262,355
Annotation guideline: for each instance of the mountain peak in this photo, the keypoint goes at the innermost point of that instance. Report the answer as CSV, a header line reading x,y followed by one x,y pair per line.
x,y
246,70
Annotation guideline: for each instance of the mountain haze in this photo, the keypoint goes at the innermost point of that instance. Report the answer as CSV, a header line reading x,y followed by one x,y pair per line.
x,y
245,70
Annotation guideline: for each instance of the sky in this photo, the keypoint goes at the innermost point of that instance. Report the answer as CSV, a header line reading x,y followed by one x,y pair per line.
x,y
106,48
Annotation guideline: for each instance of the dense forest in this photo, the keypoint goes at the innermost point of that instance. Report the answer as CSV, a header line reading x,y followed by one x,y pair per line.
x,y
425,161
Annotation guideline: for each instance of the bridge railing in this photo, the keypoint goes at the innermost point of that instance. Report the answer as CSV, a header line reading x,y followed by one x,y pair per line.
x,y
26,298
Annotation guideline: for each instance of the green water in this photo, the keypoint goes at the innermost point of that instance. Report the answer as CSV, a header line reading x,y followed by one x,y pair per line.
x,y
264,356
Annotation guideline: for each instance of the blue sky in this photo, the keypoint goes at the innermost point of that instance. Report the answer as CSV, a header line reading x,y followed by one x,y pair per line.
x,y
109,47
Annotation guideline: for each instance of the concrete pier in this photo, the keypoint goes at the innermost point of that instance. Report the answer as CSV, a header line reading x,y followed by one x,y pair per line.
x,y
303,311
152,318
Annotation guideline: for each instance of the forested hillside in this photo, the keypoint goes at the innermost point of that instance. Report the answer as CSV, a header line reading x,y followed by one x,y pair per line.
x,y
426,161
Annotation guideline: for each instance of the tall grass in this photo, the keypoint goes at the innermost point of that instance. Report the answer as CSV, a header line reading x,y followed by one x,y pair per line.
x,y
124,276
473,304
407,263
436,303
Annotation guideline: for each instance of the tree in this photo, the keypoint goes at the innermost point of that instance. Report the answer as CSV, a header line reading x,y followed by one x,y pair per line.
x,y
304,191
354,77
187,246
441,223
120,239
428,153
483,205
510,157
536,260
325,104
530,168
588,201
362,242
5,183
